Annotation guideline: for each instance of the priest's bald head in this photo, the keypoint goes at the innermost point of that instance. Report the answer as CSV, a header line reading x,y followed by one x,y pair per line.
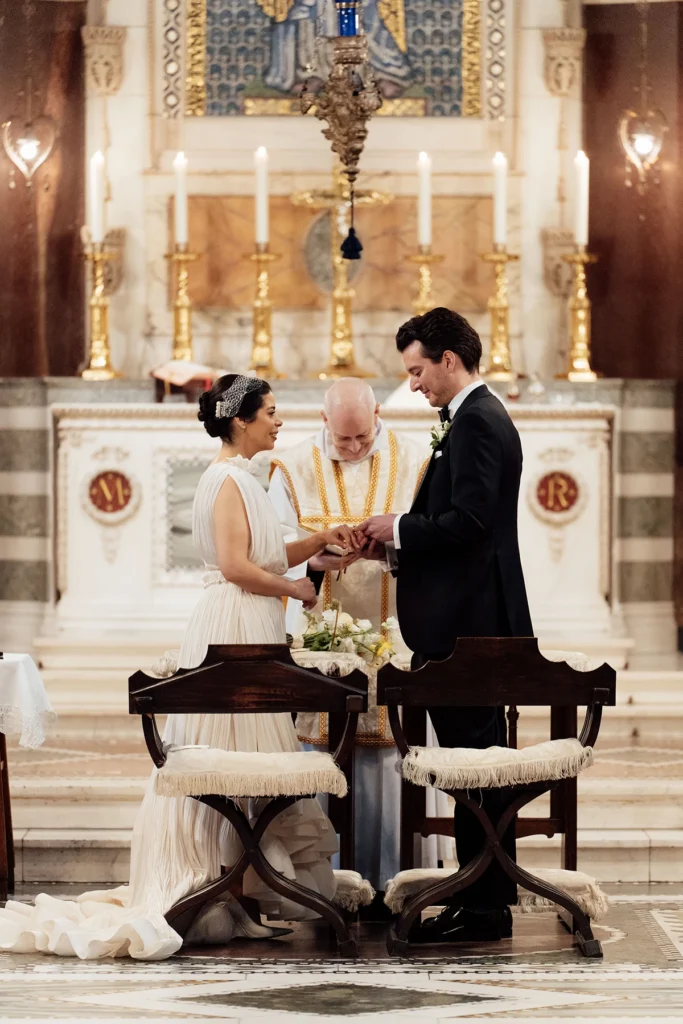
x,y
351,414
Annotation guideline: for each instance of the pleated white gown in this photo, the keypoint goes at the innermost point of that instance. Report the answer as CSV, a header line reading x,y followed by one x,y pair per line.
x,y
179,844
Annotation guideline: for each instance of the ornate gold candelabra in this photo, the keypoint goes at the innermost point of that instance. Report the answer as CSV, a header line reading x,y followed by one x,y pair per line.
x,y
424,259
262,342
182,305
342,361
499,365
579,357
99,363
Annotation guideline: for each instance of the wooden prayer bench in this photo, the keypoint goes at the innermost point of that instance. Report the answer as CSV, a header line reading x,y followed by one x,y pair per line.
x,y
491,672
244,679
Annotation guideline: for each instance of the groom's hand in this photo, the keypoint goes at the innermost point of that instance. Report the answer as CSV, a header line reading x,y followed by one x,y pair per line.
x,y
379,528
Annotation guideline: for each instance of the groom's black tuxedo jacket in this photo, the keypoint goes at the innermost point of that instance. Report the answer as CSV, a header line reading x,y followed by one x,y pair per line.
x,y
459,570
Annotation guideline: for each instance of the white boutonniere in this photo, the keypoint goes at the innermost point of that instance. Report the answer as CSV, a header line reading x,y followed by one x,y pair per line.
x,y
439,432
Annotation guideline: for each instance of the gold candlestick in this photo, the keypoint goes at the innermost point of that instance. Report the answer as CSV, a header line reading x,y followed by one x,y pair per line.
x,y
579,357
262,344
424,259
99,365
500,363
182,304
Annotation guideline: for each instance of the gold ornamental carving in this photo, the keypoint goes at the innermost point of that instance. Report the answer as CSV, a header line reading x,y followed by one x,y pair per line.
x,y
424,259
579,358
195,58
262,360
99,361
104,46
180,260
562,64
471,58
499,365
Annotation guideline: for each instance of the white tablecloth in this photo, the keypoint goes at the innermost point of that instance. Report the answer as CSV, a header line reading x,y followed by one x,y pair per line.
x,y
25,710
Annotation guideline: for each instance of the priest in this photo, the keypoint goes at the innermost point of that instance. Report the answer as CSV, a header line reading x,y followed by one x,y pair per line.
x,y
352,468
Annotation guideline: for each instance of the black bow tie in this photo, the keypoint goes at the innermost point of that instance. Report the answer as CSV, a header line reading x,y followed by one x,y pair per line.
x,y
445,414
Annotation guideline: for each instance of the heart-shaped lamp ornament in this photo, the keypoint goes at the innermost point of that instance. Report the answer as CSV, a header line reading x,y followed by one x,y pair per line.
x,y
28,144
642,137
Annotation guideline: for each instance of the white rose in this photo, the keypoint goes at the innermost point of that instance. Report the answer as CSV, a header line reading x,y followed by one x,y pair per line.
x,y
347,645
329,616
345,620
364,625
297,643
355,628
391,624
373,639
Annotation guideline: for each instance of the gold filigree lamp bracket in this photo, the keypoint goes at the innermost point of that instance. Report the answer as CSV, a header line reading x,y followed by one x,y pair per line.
x,y
579,357
424,259
499,366
180,260
99,366
262,360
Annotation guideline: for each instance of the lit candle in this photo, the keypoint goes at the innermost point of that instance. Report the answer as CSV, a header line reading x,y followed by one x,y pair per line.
x,y
500,199
97,197
424,203
582,166
180,168
261,167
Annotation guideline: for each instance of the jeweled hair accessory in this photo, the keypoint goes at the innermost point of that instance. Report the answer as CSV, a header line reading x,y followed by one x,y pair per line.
x,y
229,404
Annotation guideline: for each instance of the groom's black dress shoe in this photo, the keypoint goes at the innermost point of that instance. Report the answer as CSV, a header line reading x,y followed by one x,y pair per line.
x,y
460,924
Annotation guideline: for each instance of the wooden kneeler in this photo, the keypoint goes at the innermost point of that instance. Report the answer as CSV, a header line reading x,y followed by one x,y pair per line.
x,y
492,672
243,679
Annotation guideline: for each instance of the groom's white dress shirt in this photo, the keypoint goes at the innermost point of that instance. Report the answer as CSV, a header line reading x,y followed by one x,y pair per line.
x,y
453,407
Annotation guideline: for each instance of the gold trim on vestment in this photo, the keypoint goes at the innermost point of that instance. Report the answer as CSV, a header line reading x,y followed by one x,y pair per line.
x,y
393,14
195,58
421,476
471,58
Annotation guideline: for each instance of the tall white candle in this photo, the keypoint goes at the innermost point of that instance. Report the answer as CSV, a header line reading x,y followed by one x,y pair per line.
x,y
97,197
261,168
582,167
424,199
180,168
500,199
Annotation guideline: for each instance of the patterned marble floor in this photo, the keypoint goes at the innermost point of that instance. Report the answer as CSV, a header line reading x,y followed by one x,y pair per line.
x,y
536,976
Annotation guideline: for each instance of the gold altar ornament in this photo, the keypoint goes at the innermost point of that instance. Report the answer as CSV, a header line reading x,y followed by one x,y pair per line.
x,y
342,361
99,363
424,259
579,358
262,339
182,304
499,365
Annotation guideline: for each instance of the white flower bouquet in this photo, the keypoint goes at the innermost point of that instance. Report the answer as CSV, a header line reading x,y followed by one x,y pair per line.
x,y
336,630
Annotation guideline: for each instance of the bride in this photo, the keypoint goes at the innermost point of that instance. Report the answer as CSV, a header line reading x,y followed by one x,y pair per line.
x,y
179,844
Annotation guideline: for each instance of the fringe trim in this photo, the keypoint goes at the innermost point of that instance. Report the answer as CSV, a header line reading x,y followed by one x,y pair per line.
x,y
590,898
351,897
494,776
250,784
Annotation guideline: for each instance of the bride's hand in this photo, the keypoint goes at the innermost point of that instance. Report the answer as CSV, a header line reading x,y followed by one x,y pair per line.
x,y
303,590
343,537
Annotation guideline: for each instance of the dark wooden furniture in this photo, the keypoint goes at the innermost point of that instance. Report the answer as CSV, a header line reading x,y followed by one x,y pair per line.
x,y
495,672
562,819
6,837
241,679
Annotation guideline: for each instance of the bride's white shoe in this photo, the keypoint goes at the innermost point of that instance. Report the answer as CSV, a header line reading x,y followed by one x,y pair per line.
x,y
224,919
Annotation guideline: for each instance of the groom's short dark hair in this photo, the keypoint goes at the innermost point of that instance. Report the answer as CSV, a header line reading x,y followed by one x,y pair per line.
x,y
441,330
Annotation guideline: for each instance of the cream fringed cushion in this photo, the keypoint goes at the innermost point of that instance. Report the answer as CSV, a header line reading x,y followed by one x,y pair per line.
x,y
581,887
353,891
195,771
465,768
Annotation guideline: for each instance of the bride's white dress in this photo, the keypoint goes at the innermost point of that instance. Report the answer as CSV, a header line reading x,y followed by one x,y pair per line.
x,y
179,844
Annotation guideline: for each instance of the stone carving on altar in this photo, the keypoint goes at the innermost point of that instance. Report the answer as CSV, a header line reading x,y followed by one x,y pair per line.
x,y
558,274
562,64
176,475
104,45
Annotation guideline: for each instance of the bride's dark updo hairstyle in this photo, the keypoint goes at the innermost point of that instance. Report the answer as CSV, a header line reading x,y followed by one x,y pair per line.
x,y
224,426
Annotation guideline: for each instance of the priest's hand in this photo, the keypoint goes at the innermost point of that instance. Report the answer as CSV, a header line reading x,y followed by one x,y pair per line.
x,y
327,561
379,528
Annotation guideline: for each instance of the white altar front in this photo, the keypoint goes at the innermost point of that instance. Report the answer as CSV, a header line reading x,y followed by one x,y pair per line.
x,y
127,576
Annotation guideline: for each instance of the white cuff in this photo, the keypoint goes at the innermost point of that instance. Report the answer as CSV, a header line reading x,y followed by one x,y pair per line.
x,y
397,535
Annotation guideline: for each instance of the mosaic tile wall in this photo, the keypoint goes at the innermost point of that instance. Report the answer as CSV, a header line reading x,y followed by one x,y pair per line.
x,y
266,49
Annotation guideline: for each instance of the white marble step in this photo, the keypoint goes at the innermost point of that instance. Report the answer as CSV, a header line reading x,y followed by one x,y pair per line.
x,y
101,856
113,803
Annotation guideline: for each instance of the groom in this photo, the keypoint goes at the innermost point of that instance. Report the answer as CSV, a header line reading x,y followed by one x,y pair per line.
x,y
459,574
